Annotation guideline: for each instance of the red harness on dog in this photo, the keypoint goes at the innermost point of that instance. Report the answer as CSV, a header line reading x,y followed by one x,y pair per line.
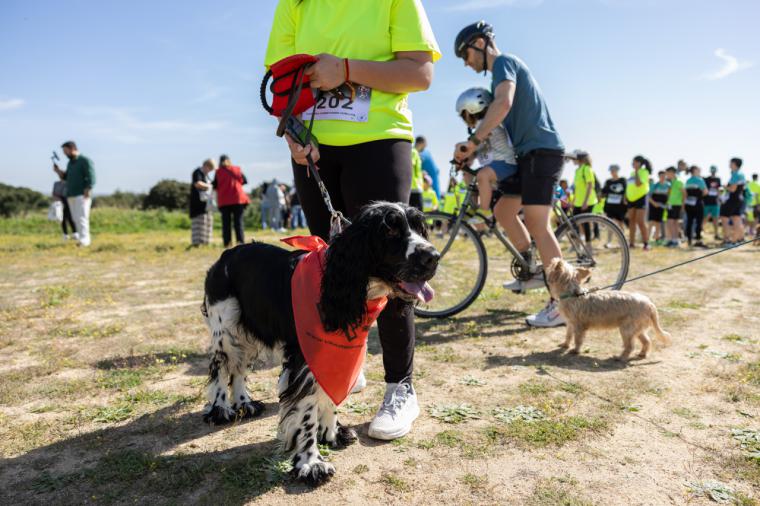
x,y
335,358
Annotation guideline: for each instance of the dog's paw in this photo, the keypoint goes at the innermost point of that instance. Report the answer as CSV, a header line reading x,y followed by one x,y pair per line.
x,y
218,415
249,409
345,436
314,474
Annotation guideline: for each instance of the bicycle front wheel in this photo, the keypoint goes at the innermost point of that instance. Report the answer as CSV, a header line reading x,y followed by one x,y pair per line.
x,y
462,268
596,242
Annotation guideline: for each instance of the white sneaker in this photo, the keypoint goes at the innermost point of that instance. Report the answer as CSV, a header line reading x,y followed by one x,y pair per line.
x,y
548,317
534,283
395,416
360,383
65,237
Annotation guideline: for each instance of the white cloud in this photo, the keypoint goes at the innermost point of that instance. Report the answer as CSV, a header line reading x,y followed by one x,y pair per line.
x,y
489,4
13,103
731,65
124,126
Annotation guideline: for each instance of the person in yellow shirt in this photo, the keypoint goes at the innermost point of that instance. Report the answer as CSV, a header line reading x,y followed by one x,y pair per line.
x,y
384,51
636,191
753,211
429,198
585,197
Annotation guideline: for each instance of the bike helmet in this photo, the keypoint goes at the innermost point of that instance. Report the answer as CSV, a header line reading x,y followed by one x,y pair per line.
x,y
468,34
474,101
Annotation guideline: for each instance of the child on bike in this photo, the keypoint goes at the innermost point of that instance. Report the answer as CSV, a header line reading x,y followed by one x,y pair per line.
x,y
495,154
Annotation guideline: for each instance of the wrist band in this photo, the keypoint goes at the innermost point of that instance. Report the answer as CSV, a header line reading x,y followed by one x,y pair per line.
x,y
474,140
345,65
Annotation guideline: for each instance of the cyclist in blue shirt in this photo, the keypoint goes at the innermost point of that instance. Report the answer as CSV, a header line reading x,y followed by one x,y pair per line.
x,y
520,107
733,208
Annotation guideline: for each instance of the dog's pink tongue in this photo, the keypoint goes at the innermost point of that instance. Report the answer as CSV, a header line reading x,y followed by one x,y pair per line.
x,y
421,289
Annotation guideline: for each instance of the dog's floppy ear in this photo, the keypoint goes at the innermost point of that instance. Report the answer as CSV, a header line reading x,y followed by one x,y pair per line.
x,y
582,274
343,299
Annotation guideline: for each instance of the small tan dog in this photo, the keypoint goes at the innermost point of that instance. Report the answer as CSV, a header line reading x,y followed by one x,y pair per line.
x,y
632,313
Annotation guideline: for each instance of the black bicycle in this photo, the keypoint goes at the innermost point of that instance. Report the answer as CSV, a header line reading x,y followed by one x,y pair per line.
x,y
586,240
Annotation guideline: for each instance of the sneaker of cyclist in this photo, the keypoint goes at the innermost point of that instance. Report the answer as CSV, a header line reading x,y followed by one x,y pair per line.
x,y
676,198
520,107
613,193
735,205
711,201
658,205
636,192
696,190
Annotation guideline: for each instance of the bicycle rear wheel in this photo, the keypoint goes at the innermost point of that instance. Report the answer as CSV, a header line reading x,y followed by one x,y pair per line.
x,y
596,242
462,269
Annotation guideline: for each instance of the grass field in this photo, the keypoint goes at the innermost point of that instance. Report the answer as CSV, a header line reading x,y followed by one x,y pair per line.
x,y
101,388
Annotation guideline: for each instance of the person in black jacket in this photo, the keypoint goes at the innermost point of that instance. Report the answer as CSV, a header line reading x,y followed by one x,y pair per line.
x,y
613,192
202,220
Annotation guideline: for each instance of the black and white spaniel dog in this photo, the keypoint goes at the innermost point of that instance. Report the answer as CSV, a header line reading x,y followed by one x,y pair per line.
x,y
248,310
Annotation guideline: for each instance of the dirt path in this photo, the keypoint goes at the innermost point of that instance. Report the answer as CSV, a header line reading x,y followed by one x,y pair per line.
x,y
103,369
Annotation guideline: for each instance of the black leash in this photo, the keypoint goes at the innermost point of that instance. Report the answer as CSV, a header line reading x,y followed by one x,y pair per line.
x,y
302,134
658,271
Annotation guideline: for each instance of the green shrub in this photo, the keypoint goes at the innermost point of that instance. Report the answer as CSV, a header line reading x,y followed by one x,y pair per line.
x,y
15,200
168,194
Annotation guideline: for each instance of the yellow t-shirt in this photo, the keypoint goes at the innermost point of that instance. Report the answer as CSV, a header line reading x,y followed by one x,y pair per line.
x,y
634,192
365,30
583,176
417,176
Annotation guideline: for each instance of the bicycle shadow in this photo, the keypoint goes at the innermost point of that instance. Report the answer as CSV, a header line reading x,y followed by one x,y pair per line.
x,y
446,330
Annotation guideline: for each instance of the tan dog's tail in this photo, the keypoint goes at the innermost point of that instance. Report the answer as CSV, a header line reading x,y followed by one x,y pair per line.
x,y
663,336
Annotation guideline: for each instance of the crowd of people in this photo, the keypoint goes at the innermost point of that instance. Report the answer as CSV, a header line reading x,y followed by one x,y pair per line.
x,y
669,208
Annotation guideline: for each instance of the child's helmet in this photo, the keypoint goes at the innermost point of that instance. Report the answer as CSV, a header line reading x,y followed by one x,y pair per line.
x,y
474,101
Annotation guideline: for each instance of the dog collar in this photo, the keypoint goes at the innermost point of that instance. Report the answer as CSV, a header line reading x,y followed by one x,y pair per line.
x,y
572,295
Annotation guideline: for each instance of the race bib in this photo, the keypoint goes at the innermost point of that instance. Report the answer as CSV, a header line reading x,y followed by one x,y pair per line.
x,y
713,192
691,201
331,106
614,198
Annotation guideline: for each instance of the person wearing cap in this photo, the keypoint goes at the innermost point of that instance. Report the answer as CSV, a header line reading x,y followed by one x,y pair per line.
x,y
613,193
518,104
585,186
711,202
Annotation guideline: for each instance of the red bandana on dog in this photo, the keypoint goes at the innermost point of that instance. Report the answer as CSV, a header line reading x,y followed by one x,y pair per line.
x,y
334,358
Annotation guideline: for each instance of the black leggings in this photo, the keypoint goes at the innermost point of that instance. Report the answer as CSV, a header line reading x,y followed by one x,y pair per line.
x,y
232,213
694,217
354,176
67,219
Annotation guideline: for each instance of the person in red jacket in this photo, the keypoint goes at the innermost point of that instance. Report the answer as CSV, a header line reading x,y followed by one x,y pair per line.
x,y
231,199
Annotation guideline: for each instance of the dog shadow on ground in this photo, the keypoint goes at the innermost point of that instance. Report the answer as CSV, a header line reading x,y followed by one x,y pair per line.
x,y
128,462
437,331
561,359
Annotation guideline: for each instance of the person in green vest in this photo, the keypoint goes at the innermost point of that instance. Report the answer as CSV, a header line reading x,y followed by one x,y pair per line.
x,y
636,191
585,187
676,198
80,179
429,198
415,196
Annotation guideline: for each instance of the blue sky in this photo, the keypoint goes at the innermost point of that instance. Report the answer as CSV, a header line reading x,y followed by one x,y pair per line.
x,y
149,89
